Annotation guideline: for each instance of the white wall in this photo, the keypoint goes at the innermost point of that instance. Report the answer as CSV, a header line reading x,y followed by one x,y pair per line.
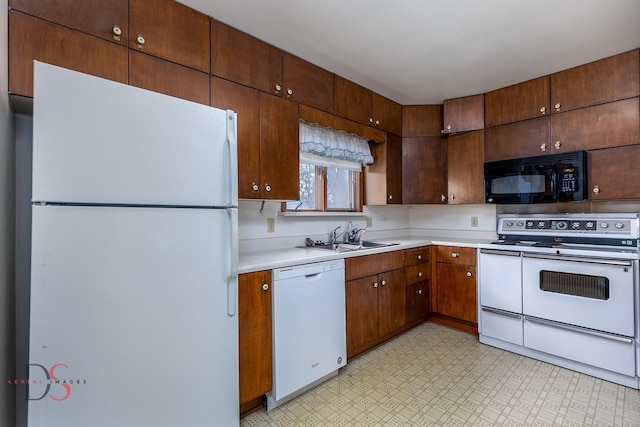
x,y
453,220
7,234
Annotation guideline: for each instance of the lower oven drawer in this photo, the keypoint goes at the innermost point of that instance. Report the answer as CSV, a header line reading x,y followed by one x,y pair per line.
x,y
601,350
501,325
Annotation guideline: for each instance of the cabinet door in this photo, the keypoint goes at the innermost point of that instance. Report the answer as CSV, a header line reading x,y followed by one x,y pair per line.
x,y
614,173
522,101
383,179
465,154
254,334
166,77
307,84
463,114
32,38
244,59
602,126
387,114
361,296
279,148
96,17
455,291
608,79
353,101
246,102
424,170
417,301
392,301
421,120
519,139
170,30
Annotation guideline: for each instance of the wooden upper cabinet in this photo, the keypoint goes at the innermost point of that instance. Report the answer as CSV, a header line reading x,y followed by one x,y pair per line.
x,y
383,179
107,19
463,114
520,139
522,101
353,102
149,72
307,83
244,59
601,126
421,120
171,31
387,114
33,38
424,170
614,173
465,154
609,79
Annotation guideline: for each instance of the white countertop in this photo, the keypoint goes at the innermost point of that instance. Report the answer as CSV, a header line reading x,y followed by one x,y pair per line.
x,y
270,259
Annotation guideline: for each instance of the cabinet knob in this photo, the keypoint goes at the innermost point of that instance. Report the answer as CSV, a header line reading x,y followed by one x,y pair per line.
x,y
375,284
267,188
419,292
557,145
543,147
543,110
117,32
289,92
383,283
370,120
278,88
452,197
419,273
557,106
377,122
390,196
449,128
419,257
443,197
455,254
596,189
469,274
140,40
265,286
255,187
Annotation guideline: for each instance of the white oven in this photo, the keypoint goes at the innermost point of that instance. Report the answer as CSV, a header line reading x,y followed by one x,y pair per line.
x,y
576,280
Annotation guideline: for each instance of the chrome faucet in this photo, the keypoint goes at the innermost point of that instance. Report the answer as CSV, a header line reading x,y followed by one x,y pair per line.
x,y
334,235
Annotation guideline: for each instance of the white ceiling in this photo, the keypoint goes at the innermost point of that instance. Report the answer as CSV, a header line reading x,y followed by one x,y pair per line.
x,y
426,51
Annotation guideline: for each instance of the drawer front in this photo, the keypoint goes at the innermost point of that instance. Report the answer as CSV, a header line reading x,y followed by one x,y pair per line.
x,y
416,256
417,273
367,265
456,255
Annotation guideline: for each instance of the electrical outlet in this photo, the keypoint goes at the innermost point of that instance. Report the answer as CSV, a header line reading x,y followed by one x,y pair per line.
x,y
474,221
271,225
369,222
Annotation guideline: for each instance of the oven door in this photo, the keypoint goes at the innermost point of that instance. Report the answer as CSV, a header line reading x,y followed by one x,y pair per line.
x,y
592,293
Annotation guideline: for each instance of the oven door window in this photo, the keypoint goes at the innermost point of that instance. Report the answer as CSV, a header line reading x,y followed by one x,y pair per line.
x,y
580,285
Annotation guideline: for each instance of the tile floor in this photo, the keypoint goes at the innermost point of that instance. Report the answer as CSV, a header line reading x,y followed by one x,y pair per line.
x,y
436,376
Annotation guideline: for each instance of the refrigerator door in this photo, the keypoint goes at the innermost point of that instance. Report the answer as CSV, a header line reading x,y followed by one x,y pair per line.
x,y
130,321
97,141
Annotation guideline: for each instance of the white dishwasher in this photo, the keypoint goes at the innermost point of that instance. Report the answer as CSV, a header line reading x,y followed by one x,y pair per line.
x,y
309,328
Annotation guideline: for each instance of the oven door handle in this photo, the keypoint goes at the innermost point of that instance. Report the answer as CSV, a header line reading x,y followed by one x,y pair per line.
x,y
578,329
502,312
499,252
622,262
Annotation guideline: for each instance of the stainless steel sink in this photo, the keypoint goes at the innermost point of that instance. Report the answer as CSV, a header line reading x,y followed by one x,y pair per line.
x,y
346,247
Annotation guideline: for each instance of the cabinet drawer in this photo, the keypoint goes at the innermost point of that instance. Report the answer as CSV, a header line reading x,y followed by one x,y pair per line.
x,y
456,255
416,256
367,265
417,273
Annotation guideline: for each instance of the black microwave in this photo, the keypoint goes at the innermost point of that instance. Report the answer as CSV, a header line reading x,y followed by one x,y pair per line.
x,y
540,179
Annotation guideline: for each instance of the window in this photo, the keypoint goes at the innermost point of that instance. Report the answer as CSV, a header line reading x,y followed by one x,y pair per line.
x,y
330,170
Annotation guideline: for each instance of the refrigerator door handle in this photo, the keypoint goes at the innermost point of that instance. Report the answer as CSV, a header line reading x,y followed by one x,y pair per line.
x,y
232,280
232,140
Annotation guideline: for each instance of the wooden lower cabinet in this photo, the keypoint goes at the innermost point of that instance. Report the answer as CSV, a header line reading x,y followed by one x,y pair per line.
x,y
454,299
417,301
255,339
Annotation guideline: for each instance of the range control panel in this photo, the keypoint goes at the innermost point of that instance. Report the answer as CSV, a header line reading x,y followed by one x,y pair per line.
x,y
592,225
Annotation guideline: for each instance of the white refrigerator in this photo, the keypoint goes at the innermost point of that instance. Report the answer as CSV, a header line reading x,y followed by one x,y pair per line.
x,y
134,257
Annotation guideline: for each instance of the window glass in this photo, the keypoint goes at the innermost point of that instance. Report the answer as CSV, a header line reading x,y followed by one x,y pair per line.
x,y
339,189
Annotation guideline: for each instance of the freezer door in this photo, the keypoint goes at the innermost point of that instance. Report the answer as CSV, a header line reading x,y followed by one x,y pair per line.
x,y
129,312
97,141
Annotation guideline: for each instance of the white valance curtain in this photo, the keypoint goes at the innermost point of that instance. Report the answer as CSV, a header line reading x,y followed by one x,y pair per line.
x,y
325,146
